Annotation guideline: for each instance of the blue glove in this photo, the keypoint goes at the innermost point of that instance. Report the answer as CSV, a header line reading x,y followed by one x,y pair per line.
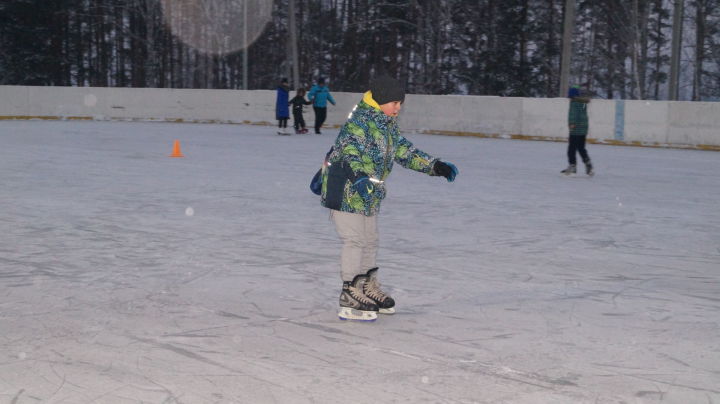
x,y
445,169
364,187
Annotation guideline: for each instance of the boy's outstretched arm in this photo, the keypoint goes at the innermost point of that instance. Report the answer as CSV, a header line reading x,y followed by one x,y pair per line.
x,y
411,157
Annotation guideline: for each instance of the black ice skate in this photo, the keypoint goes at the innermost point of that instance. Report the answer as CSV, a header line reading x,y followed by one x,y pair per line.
x,y
589,168
354,305
385,303
571,170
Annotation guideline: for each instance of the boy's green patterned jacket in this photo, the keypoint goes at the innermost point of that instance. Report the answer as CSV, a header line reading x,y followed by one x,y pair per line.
x,y
367,146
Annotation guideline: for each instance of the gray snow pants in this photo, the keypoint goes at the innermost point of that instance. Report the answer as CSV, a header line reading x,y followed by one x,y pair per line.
x,y
359,236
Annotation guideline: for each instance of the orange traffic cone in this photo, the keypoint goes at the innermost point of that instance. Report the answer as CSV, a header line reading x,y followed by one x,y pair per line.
x,y
176,150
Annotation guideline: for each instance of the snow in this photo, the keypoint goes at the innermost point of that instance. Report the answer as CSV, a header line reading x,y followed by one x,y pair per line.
x,y
128,276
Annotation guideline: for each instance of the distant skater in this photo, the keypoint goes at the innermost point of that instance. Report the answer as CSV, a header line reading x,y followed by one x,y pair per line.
x,y
297,109
320,95
281,107
578,126
353,185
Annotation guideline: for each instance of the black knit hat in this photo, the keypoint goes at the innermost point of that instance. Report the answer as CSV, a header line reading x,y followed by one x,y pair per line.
x,y
386,89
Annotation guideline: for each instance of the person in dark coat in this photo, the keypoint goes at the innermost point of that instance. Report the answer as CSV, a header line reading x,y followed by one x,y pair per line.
x,y
297,109
282,113
578,126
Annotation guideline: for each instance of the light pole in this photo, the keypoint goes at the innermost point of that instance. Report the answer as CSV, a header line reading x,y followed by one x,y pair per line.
x,y
675,56
567,46
293,46
245,45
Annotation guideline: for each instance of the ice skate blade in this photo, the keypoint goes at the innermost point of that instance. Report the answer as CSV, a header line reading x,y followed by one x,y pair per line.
x,y
588,176
390,310
347,313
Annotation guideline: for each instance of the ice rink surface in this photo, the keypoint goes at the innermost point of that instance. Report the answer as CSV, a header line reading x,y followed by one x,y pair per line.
x,y
514,284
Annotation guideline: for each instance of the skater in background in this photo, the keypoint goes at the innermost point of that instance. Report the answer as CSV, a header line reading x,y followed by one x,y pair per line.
x,y
281,107
353,185
319,95
578,125
297,110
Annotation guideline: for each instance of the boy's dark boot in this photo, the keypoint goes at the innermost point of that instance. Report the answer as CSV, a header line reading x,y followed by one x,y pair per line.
x,y
570,170
373,291
354,304
589,167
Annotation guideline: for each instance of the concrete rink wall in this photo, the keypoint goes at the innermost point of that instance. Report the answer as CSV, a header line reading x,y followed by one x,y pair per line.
x,y
639,123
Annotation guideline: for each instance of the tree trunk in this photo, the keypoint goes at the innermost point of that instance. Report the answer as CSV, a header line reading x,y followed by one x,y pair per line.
x,y
700,33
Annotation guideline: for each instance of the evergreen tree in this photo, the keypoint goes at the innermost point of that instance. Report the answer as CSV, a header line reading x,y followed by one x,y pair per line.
x,y
484,47
33,35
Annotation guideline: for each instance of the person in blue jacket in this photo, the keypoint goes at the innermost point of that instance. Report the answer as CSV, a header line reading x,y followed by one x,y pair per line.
x,y
282,110
319,95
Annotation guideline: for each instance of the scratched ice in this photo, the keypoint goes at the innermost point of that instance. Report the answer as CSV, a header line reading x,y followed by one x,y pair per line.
x,y
514,285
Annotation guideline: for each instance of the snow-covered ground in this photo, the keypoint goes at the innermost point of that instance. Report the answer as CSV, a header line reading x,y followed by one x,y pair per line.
x,y
514,285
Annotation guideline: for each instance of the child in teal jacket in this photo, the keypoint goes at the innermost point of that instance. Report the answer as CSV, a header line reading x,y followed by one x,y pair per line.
x,y
578,127
320,95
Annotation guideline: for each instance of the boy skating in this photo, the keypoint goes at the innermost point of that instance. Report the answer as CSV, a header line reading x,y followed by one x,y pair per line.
x,y
297,110
320,95
578,125
353,186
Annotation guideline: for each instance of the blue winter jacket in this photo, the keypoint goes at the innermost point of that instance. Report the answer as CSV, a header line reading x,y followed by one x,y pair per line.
x,y
320,95
281,104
